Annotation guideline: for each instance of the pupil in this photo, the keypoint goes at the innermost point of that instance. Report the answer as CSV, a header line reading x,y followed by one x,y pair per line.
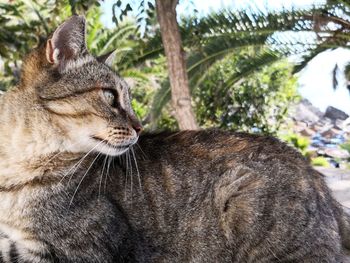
x,y
110,97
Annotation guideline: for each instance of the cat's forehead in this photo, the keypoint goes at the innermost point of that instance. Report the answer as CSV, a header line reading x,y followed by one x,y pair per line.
x,y
94,73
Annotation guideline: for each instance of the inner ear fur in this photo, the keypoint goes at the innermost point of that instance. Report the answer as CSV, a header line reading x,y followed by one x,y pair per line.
x,y
107,58
67,42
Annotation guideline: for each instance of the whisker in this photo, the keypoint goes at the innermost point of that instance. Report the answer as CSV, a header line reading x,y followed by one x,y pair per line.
x,y
81,160
76,190
137,167
142,152
131,173
101,177
105,180
57,154
114,165
108,167
126,174
73,168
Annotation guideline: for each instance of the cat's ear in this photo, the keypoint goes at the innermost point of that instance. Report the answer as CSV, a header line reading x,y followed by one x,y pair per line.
x,y
108,58
67,42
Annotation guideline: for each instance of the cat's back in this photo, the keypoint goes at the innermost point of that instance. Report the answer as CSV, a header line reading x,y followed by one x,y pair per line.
x,y
264,199
219,149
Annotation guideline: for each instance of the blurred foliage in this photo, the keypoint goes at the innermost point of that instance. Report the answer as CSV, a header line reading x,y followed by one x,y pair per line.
x,y
209,39
23,25
320,161
299,142
346,146
144,9
258,103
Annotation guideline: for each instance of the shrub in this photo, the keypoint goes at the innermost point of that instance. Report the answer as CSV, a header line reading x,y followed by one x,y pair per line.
x,y
257,103
299,142
320,161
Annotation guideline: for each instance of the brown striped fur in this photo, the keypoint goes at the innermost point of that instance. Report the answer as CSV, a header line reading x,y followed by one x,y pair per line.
x,y
215,196
62,110
191,196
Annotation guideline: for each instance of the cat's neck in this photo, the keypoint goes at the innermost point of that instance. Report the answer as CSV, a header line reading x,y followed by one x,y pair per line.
x,y
40,171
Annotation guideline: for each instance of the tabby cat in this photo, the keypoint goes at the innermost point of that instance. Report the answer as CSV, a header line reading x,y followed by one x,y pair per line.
x,y
191,196
63,109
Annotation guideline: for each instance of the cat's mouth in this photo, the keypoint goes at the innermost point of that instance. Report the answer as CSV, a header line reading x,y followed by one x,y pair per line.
x,y
116,147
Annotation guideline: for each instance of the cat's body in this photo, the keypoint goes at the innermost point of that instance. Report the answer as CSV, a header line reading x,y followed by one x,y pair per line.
x,y
213,196
206,196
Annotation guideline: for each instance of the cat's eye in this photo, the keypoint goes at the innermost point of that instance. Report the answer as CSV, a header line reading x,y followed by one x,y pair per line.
x,y
109,97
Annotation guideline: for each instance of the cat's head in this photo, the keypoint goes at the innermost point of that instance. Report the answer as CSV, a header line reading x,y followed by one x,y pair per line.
x,y
81,98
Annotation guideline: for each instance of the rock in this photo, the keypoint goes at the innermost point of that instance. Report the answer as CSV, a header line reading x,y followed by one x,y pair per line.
x,y
337,153
306,112
346,125
321,152
334,114
339,124
322,125
334,163
331,133
307,132
317,143
325,121
337,140
299,126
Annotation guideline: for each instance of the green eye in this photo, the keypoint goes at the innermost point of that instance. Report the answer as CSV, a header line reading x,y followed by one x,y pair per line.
x,y
109,96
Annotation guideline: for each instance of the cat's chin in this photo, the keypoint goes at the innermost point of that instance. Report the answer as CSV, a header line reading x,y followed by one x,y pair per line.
x,y
109,149
112,151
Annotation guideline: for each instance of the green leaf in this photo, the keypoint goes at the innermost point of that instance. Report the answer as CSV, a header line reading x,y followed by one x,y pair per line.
x,y
150,6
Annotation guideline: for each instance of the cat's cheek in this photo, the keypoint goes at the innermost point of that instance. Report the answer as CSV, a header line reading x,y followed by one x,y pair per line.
x,y
78,132
65,108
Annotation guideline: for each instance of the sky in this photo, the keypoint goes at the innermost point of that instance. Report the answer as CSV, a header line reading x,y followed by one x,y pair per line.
x,y
315,81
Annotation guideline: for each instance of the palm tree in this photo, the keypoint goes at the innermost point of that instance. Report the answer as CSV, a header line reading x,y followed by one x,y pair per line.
x,y
269,36
210,39
273,35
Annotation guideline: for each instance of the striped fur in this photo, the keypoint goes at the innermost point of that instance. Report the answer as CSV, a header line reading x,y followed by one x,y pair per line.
x,y
215,196
194,196
52,126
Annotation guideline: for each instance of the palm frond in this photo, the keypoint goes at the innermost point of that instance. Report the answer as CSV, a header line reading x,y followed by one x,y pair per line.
x,y
251,65
160,99
246,67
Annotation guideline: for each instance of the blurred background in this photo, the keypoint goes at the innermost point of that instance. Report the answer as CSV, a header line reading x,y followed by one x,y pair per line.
x,y
272,67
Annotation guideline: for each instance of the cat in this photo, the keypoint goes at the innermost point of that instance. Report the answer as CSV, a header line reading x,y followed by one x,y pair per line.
x,y
79,182
63,108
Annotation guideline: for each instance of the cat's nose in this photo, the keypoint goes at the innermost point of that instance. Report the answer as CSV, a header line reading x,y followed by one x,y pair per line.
x,y
138,128
135,124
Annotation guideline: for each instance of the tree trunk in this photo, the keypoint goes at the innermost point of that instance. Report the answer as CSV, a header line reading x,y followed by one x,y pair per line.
x,y
180,93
